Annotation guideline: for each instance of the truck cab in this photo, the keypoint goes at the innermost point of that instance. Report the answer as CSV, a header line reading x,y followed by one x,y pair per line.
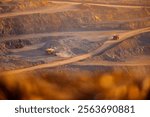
x,y
115,37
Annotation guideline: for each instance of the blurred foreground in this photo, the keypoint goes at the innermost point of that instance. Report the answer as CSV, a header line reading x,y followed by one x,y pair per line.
x,y
74,86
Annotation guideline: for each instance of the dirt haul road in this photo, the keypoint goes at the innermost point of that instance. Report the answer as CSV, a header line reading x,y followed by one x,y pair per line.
x,y
49,9
106,45
98,4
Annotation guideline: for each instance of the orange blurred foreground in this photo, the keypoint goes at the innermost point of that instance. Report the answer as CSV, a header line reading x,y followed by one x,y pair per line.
x,y
67,86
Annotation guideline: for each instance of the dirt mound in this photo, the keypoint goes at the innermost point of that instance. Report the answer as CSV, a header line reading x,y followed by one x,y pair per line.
x,y
15,44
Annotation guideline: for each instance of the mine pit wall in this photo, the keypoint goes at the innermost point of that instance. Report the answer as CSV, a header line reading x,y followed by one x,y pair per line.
x,y
95,19
16,26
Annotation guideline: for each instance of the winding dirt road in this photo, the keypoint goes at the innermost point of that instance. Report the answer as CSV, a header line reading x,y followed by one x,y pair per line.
x,y
107,45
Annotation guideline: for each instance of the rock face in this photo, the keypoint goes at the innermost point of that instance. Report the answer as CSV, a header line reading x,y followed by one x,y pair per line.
x,y
84,18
